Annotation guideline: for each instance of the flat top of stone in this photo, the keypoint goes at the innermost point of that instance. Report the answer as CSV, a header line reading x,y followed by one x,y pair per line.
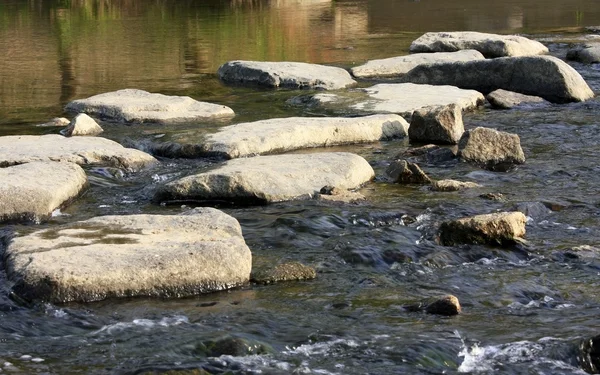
x,y
131,105
399,65
19,149
286,74
405,98
32,191
508,99
272,178
490,45
292,133
134,255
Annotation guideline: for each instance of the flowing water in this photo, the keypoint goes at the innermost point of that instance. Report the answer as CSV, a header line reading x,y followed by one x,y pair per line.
x,y
524,309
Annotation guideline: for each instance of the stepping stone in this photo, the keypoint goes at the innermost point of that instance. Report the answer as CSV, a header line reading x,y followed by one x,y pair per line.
x,y
440,125
132,105
129,256
275,178
82,124
395,66
490,45
399,98
295,75
544,76
19,149
32,191
286,134
491,149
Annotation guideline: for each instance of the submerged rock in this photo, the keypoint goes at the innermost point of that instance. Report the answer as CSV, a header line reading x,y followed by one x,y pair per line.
x,y
589,355
404,172
452,185
127,256
82,124
275,178
333,194
507,99
431,154
19,149
441,124
492,149
233,346
295,75
132,105
56,122
395,66
292,271
286,134
447,305
490,45
587,54
544,76
503,228
32,191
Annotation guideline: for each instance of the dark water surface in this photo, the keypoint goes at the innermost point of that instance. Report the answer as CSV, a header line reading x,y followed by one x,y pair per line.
x,y
524,308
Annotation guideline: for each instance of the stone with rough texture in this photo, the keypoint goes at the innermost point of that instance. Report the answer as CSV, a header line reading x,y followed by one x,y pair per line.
x,y
492,149
275,178
82,124
507,99
30,192
19,149
490,45
440,124
587,54
128,256
405,98
452,185
447,305
544,76
404,172
292,271
296,75
286,134
333,194
503,228
395,66
131,105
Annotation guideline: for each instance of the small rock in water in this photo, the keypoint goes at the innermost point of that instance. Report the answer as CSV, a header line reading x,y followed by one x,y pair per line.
x,y
82,124
492,149
401,171
446,305
535,210
234,346
504,99
587,54
284,272
502,228
333,194
452,185
493,197
589,355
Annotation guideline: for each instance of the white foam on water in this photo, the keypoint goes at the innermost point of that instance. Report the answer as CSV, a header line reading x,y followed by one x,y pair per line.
x,y
143,323
320,348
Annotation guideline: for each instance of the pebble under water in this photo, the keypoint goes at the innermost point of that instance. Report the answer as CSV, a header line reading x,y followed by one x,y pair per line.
x,y
526,309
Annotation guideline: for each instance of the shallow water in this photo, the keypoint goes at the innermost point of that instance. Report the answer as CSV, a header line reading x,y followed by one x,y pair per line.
x,y
524,308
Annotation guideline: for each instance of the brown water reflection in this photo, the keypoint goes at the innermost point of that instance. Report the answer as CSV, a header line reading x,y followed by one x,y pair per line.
x,y
54,51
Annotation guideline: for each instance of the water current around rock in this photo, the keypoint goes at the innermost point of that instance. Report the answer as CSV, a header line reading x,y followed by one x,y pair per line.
x,y
524,308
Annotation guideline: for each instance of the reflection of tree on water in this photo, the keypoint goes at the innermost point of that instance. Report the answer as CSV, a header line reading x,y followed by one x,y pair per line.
x,y
66,66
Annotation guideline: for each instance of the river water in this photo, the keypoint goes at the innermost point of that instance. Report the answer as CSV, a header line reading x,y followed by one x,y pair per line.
x,y
523,308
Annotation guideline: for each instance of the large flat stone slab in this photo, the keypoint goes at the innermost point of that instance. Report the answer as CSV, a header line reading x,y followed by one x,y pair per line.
x,y
405,98
19,149
129,256
32,191
490,45
395,66
275,178
131,105
544,76
287,74
286,134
